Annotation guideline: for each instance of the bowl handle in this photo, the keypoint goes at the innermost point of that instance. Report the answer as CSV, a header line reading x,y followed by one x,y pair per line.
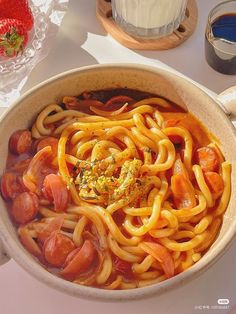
x,y
4,258
227,99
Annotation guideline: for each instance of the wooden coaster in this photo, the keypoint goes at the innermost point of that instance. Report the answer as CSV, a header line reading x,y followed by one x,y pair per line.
x,y
185,30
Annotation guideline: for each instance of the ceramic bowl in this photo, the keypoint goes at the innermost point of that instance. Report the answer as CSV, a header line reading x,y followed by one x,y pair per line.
x,y
153,80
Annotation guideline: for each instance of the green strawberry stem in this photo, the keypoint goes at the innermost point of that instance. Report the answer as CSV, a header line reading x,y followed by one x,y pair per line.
x,y
12,42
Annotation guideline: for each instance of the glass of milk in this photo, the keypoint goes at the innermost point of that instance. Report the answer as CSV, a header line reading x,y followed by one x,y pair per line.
x,y
149,18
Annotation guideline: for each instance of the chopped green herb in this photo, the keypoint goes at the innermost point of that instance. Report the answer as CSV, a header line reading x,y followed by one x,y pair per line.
x,y
96,191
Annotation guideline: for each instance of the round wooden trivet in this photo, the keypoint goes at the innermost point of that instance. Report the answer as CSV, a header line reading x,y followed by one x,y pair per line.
x,y
185,30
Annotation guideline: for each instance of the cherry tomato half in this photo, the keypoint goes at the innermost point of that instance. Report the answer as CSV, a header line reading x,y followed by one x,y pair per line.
x,y
48,141
80,261
207,158
55,190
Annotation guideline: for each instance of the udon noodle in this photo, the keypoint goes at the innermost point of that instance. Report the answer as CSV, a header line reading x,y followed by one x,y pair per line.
x,y
116,191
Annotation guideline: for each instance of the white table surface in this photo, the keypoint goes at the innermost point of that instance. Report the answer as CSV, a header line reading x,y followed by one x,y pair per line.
x,y
82,41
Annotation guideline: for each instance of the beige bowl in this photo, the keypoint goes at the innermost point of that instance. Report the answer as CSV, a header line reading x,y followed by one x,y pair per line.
x,y
184,93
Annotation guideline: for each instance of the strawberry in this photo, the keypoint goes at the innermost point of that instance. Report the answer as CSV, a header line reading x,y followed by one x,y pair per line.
x,y
13,37
17,9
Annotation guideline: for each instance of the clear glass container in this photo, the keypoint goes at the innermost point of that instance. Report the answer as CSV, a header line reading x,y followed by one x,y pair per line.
x,y
220,38
149,18
14,72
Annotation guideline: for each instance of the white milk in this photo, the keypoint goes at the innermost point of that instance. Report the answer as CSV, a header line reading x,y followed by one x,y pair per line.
x,y
149,14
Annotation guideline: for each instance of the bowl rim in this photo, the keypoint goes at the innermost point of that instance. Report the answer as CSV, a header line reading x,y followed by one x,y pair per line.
x,y
25,260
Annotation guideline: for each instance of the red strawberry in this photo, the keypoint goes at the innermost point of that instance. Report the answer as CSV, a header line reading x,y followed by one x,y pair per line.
x,y
17,9
13,37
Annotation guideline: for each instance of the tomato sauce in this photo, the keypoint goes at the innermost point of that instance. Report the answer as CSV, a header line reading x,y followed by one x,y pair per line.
x,y
18,164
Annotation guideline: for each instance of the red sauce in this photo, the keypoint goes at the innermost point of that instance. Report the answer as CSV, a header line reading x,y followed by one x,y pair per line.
x,y
20,163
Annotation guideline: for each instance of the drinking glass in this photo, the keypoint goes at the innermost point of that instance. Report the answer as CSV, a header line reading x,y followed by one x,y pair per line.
x,y
149,18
